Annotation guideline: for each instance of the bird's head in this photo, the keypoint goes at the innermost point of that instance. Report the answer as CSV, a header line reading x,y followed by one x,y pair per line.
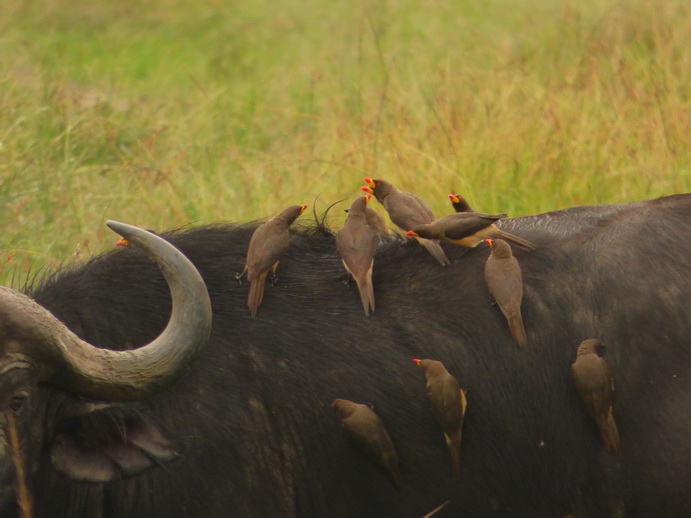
x,y
373,184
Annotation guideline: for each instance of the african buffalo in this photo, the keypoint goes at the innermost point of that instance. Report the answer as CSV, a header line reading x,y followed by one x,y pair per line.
x,y
247,431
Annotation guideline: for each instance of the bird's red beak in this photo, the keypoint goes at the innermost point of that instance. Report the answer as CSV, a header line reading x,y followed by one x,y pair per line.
x,y
489,242
454,198
411,233
368,190
302,208
417,362
367,197
122,242
369,181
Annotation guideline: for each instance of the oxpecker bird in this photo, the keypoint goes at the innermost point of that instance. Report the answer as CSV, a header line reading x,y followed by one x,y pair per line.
x,y
268,243
449,404
356,243
375,221
505,283
366,429
467,229
406,211
459,203
594,384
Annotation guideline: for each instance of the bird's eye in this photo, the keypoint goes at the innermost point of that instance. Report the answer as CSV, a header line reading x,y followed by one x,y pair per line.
x,y
18,403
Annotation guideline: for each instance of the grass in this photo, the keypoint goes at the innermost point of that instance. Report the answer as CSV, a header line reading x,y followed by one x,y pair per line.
x,y
174,112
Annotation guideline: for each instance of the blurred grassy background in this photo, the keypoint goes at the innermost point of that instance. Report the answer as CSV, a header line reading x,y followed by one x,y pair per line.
x,y
170,112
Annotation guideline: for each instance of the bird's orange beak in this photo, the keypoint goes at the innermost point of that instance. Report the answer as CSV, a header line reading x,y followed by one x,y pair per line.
x,y
369,181
302,208
489,242
411,233
417,362
122,242
454,198
368,190
367,197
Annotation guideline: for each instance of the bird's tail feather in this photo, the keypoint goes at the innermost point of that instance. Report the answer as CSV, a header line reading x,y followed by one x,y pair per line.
x,y
396,477
517,330
454,446
514,239
366,290
610,434
256,294
434,248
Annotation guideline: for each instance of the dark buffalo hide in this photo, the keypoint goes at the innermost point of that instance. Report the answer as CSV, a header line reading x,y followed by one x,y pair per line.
x,y
248,432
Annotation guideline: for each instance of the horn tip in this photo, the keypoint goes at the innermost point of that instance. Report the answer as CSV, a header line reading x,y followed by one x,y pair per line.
x,y
123,229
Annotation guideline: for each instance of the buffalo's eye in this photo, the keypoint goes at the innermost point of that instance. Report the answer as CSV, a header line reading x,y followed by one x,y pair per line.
x,y
18,403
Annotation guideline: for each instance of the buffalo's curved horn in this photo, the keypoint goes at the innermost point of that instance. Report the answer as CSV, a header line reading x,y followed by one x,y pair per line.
x,y
59,356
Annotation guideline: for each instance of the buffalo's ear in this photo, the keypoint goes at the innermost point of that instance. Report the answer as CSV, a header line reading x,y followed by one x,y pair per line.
x,y
100,443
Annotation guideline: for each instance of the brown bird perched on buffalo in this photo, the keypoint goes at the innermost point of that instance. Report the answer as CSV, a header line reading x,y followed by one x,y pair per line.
x,y
505,283
366,429
591,376
459,203
406,211
449,404
356,243
375,221
268,243
467,229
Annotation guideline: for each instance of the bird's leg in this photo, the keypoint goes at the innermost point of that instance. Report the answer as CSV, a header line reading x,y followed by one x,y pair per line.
x,y
273,277
238,276
346,276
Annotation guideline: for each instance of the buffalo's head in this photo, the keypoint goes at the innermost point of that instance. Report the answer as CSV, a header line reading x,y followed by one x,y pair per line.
x,y
38,354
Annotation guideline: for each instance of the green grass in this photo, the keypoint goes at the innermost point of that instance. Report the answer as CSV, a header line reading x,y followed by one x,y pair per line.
x,y
170,112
